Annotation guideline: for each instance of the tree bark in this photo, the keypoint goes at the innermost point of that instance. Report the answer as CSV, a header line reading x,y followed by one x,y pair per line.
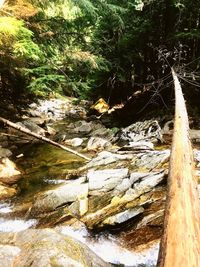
x,y
180,244
47,140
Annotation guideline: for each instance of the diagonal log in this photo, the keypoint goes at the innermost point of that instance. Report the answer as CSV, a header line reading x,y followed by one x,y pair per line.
x,y
180,244
40,137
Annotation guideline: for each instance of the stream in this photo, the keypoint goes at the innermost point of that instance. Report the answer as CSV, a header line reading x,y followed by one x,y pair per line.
x,y
44,167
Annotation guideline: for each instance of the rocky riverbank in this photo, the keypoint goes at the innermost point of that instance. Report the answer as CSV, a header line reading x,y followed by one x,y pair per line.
x,y
121,189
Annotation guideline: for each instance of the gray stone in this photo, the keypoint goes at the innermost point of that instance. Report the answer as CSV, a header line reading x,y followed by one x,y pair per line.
x,y
105,180
149,218
60,196
151,159
37,120
135,176
123,216
33,127
7,255
46,247
33,113
4,153
105,158
143,185
138,146
82,127
75,142
142,131
50,130
168,130
138,195
122,187
197,157
96,143
149,182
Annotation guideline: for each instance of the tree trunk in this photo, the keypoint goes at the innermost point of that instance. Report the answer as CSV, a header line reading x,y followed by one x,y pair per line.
x,y
47,140
180,245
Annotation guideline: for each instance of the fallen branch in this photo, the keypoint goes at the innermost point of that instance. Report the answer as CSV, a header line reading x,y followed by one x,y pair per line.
x,y
47,140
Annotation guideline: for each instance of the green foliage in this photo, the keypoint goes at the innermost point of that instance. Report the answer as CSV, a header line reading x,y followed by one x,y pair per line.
x,y
97,48
18,50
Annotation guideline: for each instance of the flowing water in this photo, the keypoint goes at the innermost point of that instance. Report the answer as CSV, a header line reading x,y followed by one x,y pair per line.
x,y
43,167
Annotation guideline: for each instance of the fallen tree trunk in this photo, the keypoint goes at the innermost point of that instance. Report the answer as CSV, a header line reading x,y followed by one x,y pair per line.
x,y
180,245
47,140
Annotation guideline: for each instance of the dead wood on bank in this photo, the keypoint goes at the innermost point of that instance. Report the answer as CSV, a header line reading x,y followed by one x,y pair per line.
x,y
40,137
180,245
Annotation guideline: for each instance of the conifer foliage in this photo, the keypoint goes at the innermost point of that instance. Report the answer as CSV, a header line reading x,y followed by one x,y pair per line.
x,y
96,48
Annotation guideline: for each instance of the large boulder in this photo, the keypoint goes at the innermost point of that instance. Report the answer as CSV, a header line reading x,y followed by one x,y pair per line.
x,y
42,248
142,131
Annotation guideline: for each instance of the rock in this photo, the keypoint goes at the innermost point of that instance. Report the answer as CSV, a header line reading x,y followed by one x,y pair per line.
x,y
63,194
81,127
151,159
8,172
33,127
7,254
123,216
7,192
105,180
92,128
147,220
142,131
33,112
197,157
75,142
123,186
40,121
97,143
138,146
146,183
54,108
168,130
103,132
97,202
100,106
50,130
5,153
46,247
138,195
79,207
195,135
105,158
3,141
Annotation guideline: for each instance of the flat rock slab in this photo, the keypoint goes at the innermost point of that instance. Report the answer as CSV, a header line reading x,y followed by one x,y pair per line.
x,y
106,180
105,158
123,216
59,196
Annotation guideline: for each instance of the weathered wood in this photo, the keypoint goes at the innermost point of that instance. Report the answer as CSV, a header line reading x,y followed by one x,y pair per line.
x,y
180,245
40,137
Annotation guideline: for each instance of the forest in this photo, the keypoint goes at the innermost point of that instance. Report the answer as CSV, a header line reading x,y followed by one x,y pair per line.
x,y
117,50
99,133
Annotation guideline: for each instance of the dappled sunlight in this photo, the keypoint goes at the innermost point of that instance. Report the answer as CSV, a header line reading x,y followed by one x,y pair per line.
x,y
2,3
8,168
